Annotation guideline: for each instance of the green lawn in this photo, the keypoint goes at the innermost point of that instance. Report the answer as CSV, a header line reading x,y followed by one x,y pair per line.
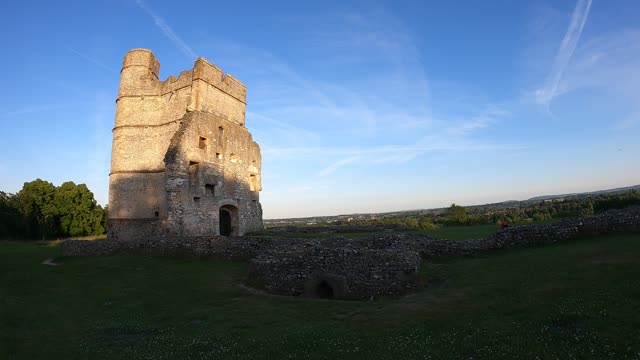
x,y
578,300
463,232
443,232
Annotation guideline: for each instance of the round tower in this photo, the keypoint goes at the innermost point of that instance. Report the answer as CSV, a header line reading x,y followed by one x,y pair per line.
x,y
136,180
139,68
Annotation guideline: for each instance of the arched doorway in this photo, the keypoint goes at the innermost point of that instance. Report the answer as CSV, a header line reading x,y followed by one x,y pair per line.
x,y
324,290
228,218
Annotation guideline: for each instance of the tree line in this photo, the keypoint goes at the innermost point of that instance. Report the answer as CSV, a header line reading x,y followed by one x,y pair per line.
x,y
41,210
524,212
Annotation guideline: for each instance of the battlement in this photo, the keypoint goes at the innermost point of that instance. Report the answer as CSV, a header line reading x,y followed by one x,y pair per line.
x,y
212,75
206,88
143,58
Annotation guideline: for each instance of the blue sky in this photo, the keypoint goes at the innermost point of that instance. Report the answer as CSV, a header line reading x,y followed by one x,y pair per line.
x,y
358,106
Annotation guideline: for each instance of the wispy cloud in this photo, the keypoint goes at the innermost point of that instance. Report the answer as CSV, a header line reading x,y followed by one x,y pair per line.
x,y
551,89
467,127
167,31
610,61
31,109
381,115
387,153
287,131
93,61
631,121
338,164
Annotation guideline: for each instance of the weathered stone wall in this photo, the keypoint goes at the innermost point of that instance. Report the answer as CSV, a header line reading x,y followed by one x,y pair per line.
x,y
135,195
162,129
612,221
202,178
137,229
336,272
623,220
351,268
214,247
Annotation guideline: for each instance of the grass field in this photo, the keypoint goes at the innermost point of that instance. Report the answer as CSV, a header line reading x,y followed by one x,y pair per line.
x,y
462,232
578,300
444,232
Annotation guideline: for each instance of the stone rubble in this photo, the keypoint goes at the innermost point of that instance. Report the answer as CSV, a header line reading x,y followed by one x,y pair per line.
x,y
344,268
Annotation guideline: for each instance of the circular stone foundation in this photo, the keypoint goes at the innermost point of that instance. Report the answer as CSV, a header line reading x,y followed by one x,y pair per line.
x,y
336,273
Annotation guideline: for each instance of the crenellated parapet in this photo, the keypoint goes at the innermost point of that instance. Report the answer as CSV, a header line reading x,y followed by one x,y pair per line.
x,y
212,75
205,87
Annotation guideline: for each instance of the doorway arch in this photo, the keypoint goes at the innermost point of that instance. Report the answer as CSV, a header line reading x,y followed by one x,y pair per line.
x,y
228,220
324,290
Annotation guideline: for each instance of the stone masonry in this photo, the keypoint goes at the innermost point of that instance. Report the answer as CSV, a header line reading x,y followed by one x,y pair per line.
x,y
183,163
384,263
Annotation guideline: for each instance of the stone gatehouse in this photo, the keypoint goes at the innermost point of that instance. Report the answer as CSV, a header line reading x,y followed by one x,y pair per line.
x,y
183,163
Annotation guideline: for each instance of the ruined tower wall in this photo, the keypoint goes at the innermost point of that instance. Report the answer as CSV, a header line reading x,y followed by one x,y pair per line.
x,y
224,170
148,113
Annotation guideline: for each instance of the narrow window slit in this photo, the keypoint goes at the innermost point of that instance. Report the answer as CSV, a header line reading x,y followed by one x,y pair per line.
x,y
202,143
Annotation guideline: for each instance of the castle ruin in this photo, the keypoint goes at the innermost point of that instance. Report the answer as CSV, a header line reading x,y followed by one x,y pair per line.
x,y
182,163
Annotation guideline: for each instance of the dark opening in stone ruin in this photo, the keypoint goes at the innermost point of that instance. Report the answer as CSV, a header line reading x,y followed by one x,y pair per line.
x,y
253,183
225,223
202,143
210,188
324,290
229,220
193,173
220,136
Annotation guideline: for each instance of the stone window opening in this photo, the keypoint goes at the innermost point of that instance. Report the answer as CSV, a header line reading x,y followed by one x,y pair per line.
x,y
157,214
210,188
220,135
233,158
253,183
218,155
202,143
193,173
324,290
196,199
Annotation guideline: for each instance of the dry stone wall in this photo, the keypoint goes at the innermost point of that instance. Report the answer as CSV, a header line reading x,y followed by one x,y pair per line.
x,y
336,272
350,268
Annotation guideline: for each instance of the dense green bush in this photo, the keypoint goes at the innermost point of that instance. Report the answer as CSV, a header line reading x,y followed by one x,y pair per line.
x,y
43,211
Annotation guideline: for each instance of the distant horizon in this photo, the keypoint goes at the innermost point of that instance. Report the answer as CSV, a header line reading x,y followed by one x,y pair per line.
x,y
460,204
357,106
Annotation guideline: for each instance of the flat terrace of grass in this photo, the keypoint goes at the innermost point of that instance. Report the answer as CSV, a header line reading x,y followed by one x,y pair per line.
x,y
443,232
462,232
578,300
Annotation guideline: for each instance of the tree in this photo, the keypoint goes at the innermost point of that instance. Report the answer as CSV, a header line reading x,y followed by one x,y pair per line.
x,y
105,217
411,222
78,212
12,224
457,215
426,223
36,203
41,210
